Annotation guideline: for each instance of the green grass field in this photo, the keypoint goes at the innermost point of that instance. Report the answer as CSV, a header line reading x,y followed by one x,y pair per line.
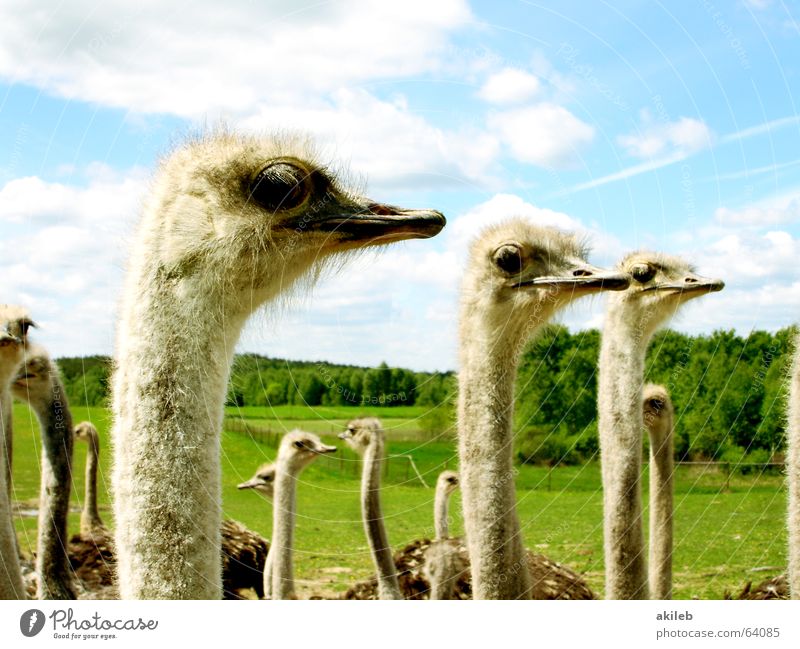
x,y
721,535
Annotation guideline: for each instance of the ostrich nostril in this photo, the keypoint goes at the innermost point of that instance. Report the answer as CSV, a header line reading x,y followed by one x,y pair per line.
x,y
581,272
690,280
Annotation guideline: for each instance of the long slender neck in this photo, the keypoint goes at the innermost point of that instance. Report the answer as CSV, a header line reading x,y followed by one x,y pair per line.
x,y
388,585
90,516
793,469
485,413
441,506
10,575
620,425
268,566
661,527
175,348
8,445
52,561
283,514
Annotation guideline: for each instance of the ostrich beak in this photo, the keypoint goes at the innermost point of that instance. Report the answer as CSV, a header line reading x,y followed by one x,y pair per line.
x,y
583,277
22,380
367,223
324,448
345,435
252,483
691,284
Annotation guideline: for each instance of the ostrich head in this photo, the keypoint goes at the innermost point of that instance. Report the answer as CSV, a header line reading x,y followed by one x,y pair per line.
x,y
519,274
299,448
447,482
14,325
660,284
245,216
655,401
33,381
657,409
263,481
86,432
360,433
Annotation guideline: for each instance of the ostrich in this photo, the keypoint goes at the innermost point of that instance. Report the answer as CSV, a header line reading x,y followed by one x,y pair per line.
x,y
658,416
232,222
264,483
660,285
793,471
367,438
91,552
39,384
445,562
297,450
14,325
517,276
91,523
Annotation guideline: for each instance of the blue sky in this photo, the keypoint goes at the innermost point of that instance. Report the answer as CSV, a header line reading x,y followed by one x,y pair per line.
x,y
666,126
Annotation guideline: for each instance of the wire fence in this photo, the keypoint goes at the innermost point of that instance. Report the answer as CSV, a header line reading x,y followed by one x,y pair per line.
x,y
402,469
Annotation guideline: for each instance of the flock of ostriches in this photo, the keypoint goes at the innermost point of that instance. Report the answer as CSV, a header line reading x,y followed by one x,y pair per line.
x,y
234,222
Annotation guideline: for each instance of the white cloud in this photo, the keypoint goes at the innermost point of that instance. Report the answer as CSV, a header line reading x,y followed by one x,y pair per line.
x,y
749,258
509,86
785,211
461,230
62,255
385,141
544,134
205,57
682,137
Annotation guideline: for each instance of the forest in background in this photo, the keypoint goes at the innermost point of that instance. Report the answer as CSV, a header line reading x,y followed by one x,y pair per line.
x,y
728,392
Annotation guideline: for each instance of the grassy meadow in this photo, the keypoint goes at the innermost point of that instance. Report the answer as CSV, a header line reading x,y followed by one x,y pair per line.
x,y
723,534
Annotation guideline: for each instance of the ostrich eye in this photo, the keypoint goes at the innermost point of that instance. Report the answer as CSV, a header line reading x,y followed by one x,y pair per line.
x,y
656,404
643,273
508,258
280,186
298,444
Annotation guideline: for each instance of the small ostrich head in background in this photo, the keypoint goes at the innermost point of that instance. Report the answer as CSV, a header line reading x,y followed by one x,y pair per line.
x,y
360,433
299,448
263,481
447,482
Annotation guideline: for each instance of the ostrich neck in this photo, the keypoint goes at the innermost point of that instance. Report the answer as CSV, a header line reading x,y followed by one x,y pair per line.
x,y
52,561
441,508
90,516
793,470
388,585
661,528
175,348
282,570
8,444
485,413
10,575
620,425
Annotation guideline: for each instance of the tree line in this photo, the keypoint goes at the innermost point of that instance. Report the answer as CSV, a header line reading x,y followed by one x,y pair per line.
x,y
261,381
728,391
